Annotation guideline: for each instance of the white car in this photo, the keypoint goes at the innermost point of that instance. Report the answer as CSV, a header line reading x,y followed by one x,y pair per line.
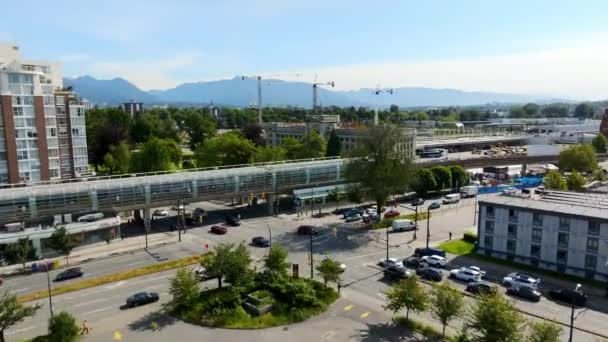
x,y
161,212
390,262
466,274
475,268
517,280
434,260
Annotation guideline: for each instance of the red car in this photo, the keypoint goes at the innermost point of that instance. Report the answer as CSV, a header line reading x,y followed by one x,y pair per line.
x,y
392,213
220,230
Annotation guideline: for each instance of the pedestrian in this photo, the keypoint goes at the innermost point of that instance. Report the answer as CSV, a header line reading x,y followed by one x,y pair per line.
x,y
450,235
85,328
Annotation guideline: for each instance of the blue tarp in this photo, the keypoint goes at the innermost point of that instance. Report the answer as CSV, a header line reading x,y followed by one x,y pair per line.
x,y
522,183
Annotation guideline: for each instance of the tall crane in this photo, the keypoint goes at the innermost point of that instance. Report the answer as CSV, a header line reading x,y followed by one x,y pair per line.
x,y
259,79
315,85
379,91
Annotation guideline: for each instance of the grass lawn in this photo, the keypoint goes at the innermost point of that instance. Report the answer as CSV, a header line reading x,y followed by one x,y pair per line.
x,y
458,247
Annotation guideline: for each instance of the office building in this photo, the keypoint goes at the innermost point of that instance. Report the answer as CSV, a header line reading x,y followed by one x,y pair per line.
x,y
133,108
561,231
42,130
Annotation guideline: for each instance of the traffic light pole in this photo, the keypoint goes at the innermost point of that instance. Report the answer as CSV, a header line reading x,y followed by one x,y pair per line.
x,y
428,229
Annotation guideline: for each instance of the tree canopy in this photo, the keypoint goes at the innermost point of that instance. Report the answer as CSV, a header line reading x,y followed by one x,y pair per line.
x,y
275,261
157,155
553,180
63,328
424,181
184,288
443,177
446,304
600,143
118,159
330,270
459,176
231,148
575,181
544,331
13,312
62,242
407,294
494,319
584,111
579,157
229,261
334,148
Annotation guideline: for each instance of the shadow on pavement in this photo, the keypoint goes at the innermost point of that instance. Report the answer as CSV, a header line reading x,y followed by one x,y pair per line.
x,y
346,239
152,321
387,332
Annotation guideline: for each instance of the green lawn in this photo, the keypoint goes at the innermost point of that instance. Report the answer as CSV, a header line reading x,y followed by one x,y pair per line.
x,y
458,247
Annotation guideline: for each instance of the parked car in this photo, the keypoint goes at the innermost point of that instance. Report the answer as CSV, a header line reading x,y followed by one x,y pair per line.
x,y
481,287
434,205
202,274
342,268
451,199
510,190
397,272
476,268
260,241
569,296
233,221
70,273
434,260
430,273
307,230
353,211
391,213
403,225
142,298
417,201
371,217
465,274
517,279
412,262
353,218
525,292
420,252
389,262
220,230
161,212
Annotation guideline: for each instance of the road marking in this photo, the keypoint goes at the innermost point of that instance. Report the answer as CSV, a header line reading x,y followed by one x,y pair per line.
x,y
90,302
115,285
98,310
348,307
329,334
20,290
117,336
135,263
364,315
20,330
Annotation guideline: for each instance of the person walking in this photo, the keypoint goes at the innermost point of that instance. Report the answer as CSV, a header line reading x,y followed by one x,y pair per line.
x,y
85,328
450,235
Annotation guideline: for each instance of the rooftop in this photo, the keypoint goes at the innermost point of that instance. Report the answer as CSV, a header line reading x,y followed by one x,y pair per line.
x,y
568,203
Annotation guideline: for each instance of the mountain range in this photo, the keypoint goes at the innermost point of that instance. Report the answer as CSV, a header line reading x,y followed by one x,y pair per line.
x,y
239,93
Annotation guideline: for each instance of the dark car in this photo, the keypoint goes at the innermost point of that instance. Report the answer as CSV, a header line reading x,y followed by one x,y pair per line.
x,y
353,212
142,298
233,221
420,252
569,296
430,273
260,241
307,230
482,287
220,230
397,273
70,273
412,262
434,205
525,292
417,201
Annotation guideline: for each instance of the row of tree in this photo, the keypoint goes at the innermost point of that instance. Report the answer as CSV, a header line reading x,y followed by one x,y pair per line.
x,y
439,178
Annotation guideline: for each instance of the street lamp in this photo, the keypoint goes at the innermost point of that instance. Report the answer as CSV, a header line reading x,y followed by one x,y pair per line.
x,y
576,290
48,280
428,229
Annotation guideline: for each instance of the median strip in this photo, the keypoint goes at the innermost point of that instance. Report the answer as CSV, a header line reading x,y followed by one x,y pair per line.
x,y
111,278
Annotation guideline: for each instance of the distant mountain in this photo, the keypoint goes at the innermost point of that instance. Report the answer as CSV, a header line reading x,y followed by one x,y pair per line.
x,y
239,93
110,92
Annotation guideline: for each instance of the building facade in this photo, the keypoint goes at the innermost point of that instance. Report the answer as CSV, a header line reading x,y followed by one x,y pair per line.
x,y
36,133
560,231
133,108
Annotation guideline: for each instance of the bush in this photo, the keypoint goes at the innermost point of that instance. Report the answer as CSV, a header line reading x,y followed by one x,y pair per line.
x,y
470,237
63,328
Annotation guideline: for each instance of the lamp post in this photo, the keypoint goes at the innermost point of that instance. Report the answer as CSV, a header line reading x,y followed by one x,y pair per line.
x,y
48,281
576,289
428,224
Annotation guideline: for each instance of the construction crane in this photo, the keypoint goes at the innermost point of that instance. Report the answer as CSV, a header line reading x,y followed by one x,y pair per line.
x,y
379,91
315,84
259,79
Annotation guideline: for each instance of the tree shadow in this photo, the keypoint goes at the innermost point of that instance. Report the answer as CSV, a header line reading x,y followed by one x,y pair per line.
x,y
345,239
388,332
152,321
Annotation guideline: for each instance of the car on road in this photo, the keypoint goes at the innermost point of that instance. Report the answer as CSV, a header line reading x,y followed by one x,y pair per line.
x,y
476,268
525,292
481,287
509,191
161,212
434,205
142,298
417,201
569,296
353,218
516,279
371,217
307,230
420,252
219,230
260,241
391,213
353,211
397,272
233,221
412,262
389,262
465,274
403,225
202,274
434,260
429,273
70,273
451,199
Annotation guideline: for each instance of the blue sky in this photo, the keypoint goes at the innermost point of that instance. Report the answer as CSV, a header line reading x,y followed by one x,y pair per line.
x,y
555,47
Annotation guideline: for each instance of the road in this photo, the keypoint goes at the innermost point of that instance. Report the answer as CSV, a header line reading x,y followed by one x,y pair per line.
x,y
358,249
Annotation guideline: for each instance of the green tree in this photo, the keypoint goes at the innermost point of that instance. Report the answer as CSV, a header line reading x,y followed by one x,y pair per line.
x,y
185,290
575,181
378,166
459,176
600,143
254,133
335,195
157,155
394,109
313,146
424,181
62,242
118,159
13,312
555,111
354,194
578,157
495,319
544,331
446,304
292,147
230,262
407,294
531,110
63,328
330,270
231,148
584,111
22,250
443,176
553,180
268,154
200,127
517,112
334,148
275,261
105,127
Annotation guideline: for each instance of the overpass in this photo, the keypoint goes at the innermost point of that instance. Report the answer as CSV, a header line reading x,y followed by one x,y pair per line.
x,y
452,142
141,191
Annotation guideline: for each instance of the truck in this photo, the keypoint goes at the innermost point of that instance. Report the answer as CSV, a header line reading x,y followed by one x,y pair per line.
x,y
469,191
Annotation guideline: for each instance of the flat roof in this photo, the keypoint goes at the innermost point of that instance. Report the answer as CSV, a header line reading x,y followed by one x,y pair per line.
x,y
568,203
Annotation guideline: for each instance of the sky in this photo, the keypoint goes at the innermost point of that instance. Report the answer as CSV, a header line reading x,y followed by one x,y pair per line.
x,y
545,47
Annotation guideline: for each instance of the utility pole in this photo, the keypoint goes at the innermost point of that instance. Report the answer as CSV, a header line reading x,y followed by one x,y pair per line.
x,y
269,236
428,221
379,91
259,78
48,282
387,243
578,286
312,273
416,221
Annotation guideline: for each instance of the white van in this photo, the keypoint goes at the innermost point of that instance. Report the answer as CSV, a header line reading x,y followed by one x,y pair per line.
x,y
451,198
402,225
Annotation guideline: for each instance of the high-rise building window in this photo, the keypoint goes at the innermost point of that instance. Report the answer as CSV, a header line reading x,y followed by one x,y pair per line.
x,y
563,239
562,256
489,211
537,235
512,231
593,228
564,223
590,262
490,227
512,215
537,219
511,246
535,251
592,245
488,242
